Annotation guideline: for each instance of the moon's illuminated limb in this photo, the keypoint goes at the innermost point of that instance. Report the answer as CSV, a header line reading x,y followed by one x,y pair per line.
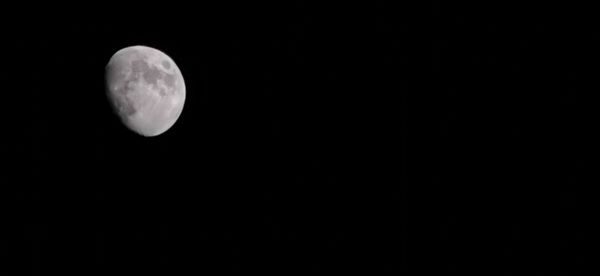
x,y
146,89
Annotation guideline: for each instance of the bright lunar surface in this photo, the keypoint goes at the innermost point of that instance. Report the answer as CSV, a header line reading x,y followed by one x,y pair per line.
x,y
145,88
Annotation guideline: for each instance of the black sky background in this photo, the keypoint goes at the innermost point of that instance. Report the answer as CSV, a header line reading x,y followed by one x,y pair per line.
x,y
274,165
313,138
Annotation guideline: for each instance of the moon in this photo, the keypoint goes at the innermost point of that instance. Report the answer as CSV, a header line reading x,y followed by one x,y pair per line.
x,y
145,89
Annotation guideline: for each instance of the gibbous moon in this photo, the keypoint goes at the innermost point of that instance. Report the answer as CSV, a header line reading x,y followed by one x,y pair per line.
x,y
145,88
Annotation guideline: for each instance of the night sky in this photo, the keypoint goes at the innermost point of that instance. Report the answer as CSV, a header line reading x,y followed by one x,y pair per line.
x,y
313,139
